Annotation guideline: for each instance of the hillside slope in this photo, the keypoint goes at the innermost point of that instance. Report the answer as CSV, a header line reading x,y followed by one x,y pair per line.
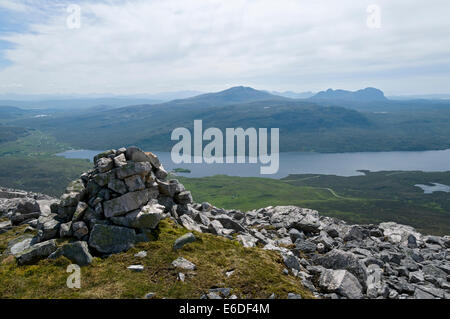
x,y
269,252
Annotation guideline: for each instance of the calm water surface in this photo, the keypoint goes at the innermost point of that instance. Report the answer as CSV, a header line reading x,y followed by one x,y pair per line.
x,y
341,164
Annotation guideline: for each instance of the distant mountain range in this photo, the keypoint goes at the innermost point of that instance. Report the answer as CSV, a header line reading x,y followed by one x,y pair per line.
x,y
368,99
77,103
330,121
365,95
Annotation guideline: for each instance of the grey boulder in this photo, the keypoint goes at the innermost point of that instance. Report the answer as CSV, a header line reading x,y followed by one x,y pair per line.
x,y
183,263
128,202
339,259
76,252
148,217
107,239
36,252
341,282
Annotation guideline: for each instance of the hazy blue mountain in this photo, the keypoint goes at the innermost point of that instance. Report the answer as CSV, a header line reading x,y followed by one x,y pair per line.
x,y
238,94
150,126
305,125
77,103
364,95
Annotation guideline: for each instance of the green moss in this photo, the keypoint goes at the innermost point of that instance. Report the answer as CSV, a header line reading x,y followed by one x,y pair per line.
x,y
257,272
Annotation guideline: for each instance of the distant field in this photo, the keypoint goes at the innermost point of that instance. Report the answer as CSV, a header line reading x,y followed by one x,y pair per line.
x,y
34,143
29,163
373,198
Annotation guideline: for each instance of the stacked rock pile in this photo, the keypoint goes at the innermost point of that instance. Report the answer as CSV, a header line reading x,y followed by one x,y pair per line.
x,y
109,208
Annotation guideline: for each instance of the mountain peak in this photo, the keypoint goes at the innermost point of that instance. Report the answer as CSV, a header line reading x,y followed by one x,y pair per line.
x,y
365,95
240,88
236,94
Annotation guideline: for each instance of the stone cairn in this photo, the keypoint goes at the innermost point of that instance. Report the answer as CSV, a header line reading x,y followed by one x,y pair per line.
x,y
108,209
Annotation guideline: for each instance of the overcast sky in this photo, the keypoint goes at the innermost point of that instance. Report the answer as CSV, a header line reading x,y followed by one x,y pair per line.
x,y
149,46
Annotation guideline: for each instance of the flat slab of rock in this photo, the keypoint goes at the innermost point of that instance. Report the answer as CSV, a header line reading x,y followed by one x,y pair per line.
x,y
133,168
36,252
127,203
229,223
189,223
147,217
20,246
107,239
183,263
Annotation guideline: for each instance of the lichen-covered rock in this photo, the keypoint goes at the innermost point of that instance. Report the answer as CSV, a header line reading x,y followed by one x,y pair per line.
x,y
76,252
79,229
183,263
133,168
19,244
36,252
135,183
48,227
147,217
229,223
338,259
170,188
79,211
104,164
295,217
118,186
341,282
398,234
65,230
128,202
120,160
183,198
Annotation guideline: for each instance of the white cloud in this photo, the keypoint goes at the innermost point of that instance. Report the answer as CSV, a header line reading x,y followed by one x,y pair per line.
x,y
150,46
13,5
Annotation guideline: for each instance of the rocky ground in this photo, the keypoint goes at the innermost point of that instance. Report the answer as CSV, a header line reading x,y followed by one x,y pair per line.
x,y
122,200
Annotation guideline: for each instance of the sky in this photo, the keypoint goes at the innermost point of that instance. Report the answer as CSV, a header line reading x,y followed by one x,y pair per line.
x,y
149,46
